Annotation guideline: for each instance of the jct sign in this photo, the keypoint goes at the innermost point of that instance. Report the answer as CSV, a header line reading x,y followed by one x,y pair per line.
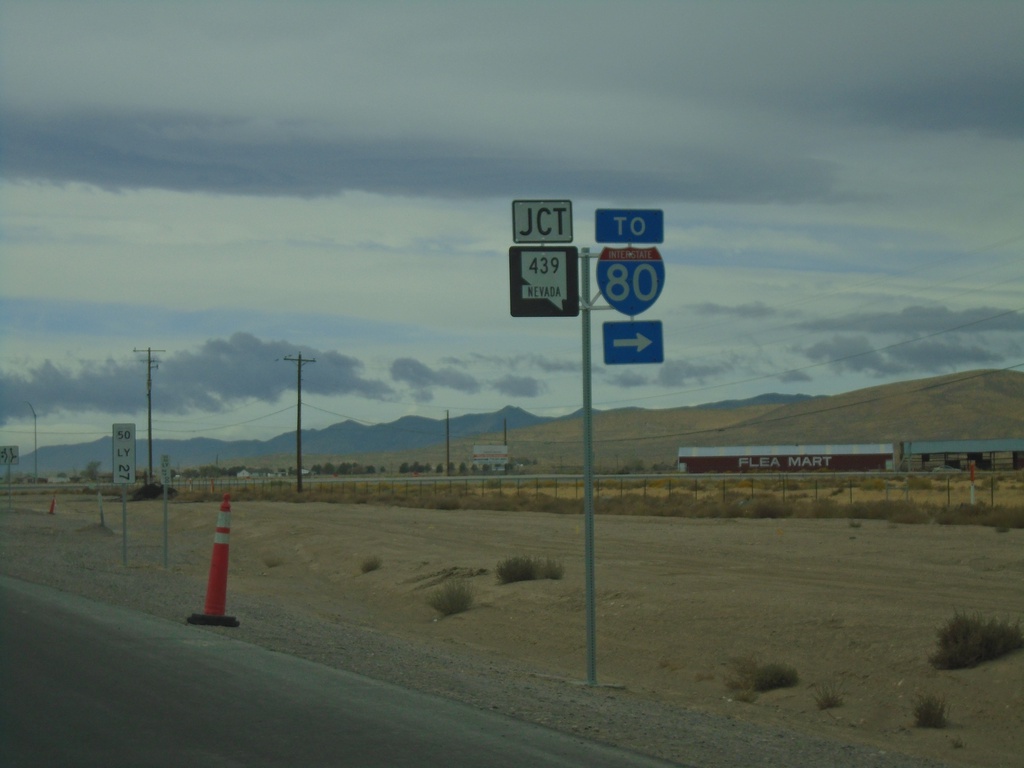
x,y
542,221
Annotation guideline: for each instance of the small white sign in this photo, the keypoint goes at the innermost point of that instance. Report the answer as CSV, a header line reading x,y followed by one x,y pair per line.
x,y
542,221
495,455
8,454
165,469
124,454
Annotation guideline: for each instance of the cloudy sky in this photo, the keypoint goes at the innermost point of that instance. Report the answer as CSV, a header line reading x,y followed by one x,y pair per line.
x,y
233,183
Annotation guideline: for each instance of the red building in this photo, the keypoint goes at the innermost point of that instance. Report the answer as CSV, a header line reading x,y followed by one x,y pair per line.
x,y
870,457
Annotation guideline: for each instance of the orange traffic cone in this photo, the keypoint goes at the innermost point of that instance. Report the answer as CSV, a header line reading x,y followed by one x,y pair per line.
x,y
217,585
53,505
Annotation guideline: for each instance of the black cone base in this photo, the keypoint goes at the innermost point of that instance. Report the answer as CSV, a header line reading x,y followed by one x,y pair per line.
x,y
216,621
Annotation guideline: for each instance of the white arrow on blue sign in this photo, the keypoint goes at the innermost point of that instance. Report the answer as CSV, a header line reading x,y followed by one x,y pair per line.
x,y
614,225
626,343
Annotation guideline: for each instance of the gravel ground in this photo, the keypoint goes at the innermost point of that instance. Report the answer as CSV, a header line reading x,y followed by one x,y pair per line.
x,y
61,552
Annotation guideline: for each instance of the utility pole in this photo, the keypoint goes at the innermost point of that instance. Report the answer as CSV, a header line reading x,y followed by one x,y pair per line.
x,y
299,362
150,365
35,445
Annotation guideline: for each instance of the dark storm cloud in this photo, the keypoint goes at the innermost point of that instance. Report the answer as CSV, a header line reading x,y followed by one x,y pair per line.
x,y
984,102
107,386
858,354
422,379
244,366
676,373
222,372
793,377
517,362
924,320
755,310
518,386
627,379
133,150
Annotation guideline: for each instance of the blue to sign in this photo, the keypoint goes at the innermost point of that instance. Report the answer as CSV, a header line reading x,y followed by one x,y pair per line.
x,y
626,343
630,279
613,225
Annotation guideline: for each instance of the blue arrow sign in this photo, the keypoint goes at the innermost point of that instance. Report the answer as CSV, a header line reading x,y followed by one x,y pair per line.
x,y
614,225
626,343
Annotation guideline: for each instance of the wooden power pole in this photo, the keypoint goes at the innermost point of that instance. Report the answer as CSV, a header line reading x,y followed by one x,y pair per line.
x,y
150,365
299,362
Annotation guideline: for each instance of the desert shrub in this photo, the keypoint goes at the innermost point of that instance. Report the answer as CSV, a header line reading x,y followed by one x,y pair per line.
x,y
895,511
371,563
966,641
828,695
454,596
773,675
516,568
523,568
767,509
931,711
1002,517
827,509
749,674
916,483
551,569
906,513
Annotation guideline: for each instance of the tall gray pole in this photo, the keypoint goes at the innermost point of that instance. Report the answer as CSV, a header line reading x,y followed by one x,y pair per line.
x,y
588,470
35,444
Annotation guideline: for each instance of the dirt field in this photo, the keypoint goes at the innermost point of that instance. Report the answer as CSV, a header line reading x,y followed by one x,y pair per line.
x,y
856,606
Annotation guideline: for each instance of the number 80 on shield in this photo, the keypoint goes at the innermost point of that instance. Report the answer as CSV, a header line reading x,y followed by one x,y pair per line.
x,y
630,279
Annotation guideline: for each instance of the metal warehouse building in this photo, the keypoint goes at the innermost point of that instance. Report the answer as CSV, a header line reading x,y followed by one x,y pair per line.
x,y
924,455
910,456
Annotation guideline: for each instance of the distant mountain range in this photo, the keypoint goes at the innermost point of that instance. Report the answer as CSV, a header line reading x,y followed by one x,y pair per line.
x,y
346,438
987,404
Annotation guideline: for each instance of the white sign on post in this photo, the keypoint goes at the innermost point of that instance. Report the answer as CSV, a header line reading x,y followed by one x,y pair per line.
x,y
542,221
8,454
491,455
124,454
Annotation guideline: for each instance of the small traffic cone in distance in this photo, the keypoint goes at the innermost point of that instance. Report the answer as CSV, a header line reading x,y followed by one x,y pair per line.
x,y
53,505
217,585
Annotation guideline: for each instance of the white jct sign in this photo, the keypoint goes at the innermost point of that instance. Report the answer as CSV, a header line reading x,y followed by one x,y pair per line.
x,y
542,221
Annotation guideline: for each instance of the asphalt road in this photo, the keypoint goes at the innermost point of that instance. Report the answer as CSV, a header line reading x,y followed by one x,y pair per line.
x,y
87,684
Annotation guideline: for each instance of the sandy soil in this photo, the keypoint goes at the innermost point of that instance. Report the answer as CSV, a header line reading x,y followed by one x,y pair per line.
x,y
854,606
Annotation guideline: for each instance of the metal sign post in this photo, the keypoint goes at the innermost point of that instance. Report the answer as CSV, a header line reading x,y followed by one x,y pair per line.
x,y
123,449
165,480
543,282
9,456
588,472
